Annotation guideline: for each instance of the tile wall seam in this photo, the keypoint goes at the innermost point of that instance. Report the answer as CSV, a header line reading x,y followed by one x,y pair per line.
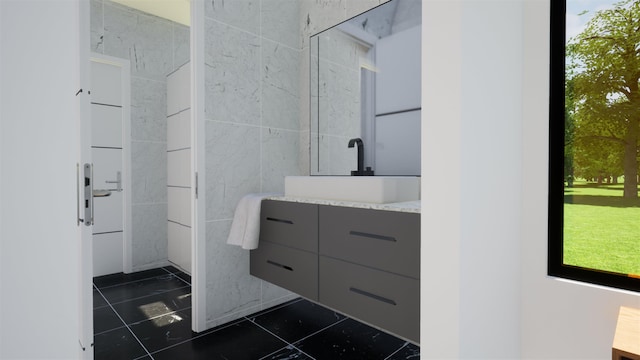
x,y
178,112
261,74
232,26
253,125
148,141
283,44
219,220
180,149
178,223
138,77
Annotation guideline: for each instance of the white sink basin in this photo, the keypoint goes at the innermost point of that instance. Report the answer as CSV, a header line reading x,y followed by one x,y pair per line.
x,y
367,189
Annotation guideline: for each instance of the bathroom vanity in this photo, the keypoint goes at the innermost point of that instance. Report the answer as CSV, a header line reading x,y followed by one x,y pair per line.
x,y
363,262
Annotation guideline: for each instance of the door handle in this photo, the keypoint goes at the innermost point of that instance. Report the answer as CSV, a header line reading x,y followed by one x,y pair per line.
x,y
101,193
117,181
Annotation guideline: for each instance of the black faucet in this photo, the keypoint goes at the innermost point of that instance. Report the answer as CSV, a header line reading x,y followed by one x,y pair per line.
x,y
360,171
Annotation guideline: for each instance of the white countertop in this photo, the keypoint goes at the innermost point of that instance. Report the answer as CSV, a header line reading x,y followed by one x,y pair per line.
x,y
405,206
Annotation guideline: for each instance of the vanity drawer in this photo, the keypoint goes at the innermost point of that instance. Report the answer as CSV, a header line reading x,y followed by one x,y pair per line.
x,y
290,224
386,240
389,301
292,269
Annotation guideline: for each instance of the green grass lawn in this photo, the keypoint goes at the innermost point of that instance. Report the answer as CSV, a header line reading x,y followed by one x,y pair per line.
x,y
601,229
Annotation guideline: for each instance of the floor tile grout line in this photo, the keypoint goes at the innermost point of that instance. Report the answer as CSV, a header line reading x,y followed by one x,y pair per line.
x,y
323,329
133,281
204,333
145,296
281,339
224,326
105,306
179,278
127,326
310,335
159,316
129,282
398,350
276,307
106,331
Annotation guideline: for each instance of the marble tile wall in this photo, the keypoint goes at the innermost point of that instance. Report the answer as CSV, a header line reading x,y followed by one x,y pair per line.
x,y
252,112
257,125
154,47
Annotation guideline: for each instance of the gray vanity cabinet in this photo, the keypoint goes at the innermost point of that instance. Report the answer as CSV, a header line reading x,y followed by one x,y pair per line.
x,y
370,266
287,254
377,297
385,240
362,262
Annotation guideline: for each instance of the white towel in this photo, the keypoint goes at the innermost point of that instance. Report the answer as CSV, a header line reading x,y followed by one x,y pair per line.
x,y
245,229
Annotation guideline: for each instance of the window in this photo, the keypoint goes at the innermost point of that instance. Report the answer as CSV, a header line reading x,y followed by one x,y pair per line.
x,y
594,138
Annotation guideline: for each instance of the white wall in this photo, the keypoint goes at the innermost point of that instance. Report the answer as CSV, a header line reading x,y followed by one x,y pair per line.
x,y
485,293
39,239
560,319
472,66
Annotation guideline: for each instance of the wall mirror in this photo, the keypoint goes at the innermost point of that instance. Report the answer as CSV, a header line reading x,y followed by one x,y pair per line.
x,y
366,84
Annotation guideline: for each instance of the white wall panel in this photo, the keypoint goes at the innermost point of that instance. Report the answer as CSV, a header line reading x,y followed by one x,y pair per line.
x,y
178,90
107,253
179,165
110,79
179,131
184,87
106,126
179,205
179,245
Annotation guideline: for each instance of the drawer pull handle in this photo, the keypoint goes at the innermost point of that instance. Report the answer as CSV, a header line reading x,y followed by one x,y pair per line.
x,y
373,236
280,265
280,220
373,296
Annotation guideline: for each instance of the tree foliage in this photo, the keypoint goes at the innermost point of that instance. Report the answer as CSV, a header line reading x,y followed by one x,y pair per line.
x,y
603,70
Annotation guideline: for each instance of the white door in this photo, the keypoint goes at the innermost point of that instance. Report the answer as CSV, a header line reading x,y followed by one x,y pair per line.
x,y
109,150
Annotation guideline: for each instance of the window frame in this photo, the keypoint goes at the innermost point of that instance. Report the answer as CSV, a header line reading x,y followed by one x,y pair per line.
x,y
556,267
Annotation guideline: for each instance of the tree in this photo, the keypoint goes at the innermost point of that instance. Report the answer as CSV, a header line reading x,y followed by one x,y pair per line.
x,y
604,68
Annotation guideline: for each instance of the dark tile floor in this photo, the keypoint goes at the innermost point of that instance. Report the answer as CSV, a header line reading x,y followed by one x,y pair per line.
x,y
147,315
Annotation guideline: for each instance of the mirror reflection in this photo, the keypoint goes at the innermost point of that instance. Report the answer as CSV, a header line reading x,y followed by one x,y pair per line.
x,y
365,93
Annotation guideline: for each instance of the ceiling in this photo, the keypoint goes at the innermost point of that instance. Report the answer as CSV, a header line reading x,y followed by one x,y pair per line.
x,y
174,10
